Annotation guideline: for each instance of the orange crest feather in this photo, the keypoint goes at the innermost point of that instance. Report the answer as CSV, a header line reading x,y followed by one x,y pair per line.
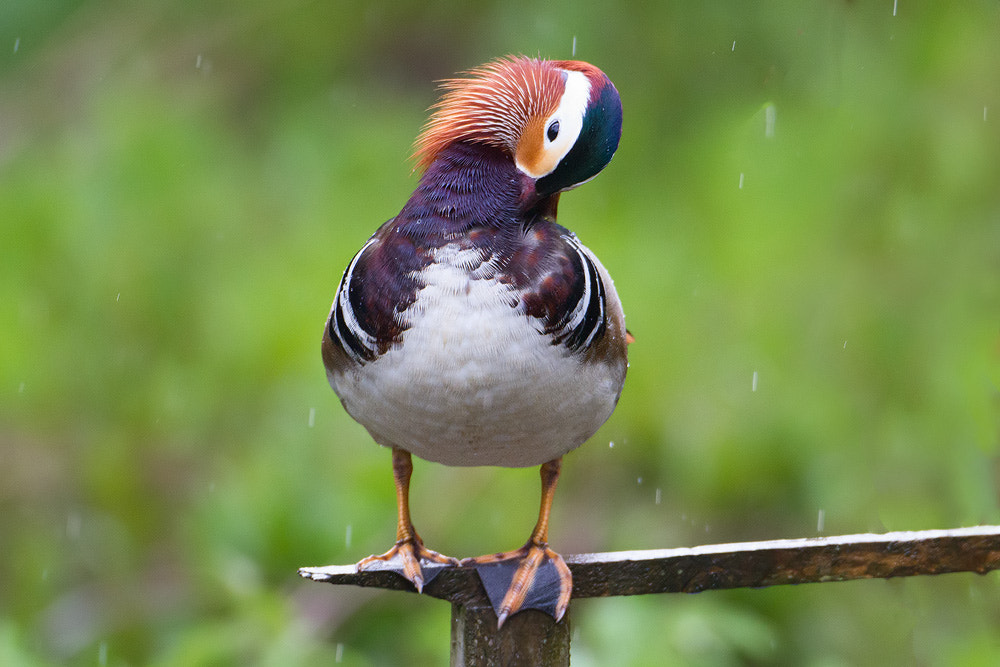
x,y
493,106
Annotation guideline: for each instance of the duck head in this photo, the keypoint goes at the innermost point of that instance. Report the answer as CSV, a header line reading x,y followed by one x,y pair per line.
x,y
559,121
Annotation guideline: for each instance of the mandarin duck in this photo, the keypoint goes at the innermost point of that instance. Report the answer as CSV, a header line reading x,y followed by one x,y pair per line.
x,y
471,329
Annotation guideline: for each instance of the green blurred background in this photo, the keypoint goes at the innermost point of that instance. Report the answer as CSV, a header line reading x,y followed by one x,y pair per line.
x,y
803,221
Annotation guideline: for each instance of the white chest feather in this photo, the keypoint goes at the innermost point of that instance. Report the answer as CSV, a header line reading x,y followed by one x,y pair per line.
x,y
474,382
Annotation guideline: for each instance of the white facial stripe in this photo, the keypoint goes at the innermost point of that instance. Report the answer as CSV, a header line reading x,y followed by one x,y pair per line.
x,y
569,114
572,107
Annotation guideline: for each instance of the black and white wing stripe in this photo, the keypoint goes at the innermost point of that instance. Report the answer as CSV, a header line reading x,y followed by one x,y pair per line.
x,y
587,320
369,313
344,328
569,300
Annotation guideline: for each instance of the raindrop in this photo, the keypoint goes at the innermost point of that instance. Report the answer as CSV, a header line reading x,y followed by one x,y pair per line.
x,y
894,4
197,62
574,46
734,45
820,521
659,496
611,445
741,180
770,116
639,481
118,297
984,113
753,383
312,417
339,657
845,344
17,44
347,536
102,653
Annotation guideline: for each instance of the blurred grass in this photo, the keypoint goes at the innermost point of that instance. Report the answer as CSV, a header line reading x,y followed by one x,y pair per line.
x,y
181,185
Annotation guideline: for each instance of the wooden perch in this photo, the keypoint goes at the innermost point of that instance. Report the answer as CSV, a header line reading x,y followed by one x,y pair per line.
x,y
534,638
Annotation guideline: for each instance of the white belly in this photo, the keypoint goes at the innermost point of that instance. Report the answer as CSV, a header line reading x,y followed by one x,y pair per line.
x,y
474,382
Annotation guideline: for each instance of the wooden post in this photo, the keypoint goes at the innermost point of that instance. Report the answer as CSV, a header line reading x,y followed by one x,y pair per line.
x,y
531,638
534,638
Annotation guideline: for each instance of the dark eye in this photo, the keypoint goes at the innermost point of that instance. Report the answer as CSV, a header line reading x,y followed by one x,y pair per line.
x,y
553,130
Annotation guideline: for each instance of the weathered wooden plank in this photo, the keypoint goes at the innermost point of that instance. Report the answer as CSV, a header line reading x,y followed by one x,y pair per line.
x,y
534,638
718,566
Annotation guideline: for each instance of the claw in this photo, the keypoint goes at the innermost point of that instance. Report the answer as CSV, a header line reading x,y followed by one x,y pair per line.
x,y
410,553
532,577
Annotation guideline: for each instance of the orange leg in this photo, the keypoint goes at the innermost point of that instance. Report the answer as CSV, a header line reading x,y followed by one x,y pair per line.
x,y
533,554
409,547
